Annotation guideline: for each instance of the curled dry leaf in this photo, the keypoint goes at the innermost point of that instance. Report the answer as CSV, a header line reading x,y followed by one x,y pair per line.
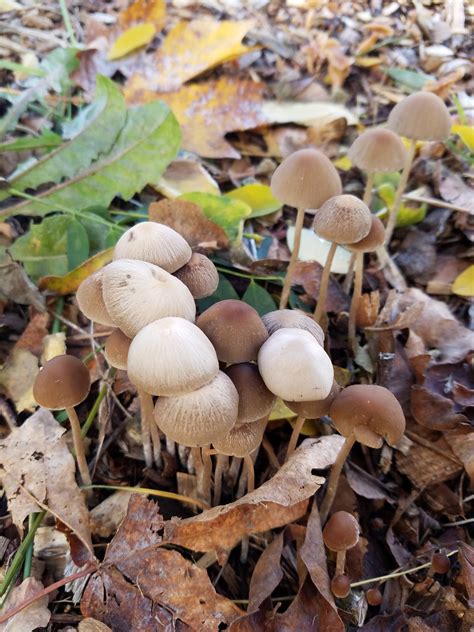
x,y
267,574
106,517
454,190
38,470
34,616
69,283
463,447
308,274
16,286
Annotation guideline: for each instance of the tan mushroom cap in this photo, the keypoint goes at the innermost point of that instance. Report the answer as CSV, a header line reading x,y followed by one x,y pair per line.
x,y
255,400
91,301
235,329
155,243
242,440
375,238
199,275
341,531
377,150
317,408
137,293
116,349
282,318
343,219
368,405
421,116
200,417
305,179
295,367
63,382
171,356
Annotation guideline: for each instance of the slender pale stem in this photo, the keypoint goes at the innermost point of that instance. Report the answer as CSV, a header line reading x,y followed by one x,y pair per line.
x,y
285,293
340,562
369,185
79,447
156,443
294,436
206,474
323,288
334,477
346,286
147,422
198,469
356,294
250,473
222,461
392,218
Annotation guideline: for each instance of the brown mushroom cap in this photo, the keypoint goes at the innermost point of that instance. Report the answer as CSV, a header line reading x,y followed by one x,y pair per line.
x,y
316,409
377,150
116,349
199,275
368,405
155,243
63,382
200,417
281,318
340,586
305,179
421,116
91,301
343,219
255,400
171,356
374,597
242,440
373,240
235,329
341,531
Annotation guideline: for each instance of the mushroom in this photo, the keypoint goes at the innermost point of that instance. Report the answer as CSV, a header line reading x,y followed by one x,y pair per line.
x,y
374,597
295,367
340,586
340,534
343,219
137,293
255,400
116,349
91,301
366,413
440,563
305,179
155,243
235,329
283,318
64,382
419,116
199,275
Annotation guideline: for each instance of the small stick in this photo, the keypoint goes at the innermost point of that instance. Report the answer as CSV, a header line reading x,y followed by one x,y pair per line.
x,y
323,288
79,446
147,421
334,477
294,436
392,218
285,293
356,294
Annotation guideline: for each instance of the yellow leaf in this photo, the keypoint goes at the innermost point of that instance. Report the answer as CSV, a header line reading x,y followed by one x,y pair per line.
x,y
368,62
9,5
152,11
281,411
131,39
344,163
69,283
258,196
466,134
186,176
53,345
464,283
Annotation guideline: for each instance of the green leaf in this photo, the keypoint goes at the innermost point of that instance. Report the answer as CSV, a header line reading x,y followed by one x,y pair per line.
x,y
259,197
148,142
58,65
225,290
100,237
408,215
26,70
257,297
105,118
415,80
55,246
47,140
223,211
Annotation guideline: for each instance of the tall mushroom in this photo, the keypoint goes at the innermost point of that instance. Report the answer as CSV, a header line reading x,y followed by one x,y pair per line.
x,y
304,180
340,534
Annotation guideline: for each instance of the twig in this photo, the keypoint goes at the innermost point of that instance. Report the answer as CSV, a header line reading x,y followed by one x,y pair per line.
x,y
153,492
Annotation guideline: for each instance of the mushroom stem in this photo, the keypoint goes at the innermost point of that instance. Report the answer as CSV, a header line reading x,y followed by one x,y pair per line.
x,y
79,446
346,286
323,288
234,469
356,294
147,422
369,185
285,293
334,477
206,474
392,218
250,473
294,436
340,562
222,463
156,443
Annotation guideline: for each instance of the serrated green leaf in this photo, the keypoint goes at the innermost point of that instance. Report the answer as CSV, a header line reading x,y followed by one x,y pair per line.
x,y
47,140
257,297
225,290
223,211
258,196
415,80
105,118
100,236
147,143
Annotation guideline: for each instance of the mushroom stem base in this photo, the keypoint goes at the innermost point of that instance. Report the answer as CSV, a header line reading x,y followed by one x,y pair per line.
x,y
79,447
285,293
294,436
334,477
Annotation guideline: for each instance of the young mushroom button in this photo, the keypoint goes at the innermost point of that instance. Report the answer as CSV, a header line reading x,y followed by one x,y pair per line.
x,y
91,301
340,534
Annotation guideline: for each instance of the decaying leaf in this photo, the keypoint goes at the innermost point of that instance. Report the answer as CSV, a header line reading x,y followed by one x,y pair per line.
x,y
467,563
107,515
227,212
186,176
425,467
16,286
463,447
131,39
37,467
267,573
17,377
153,11
69,283
92,625
453,189
308,274
36,615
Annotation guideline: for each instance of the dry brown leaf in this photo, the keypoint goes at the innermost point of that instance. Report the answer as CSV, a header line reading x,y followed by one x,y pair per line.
x,y
34,616
92,625
34,333
425,467
467,563
17,377
453,189
16,286
36,465
267,574
106,517
308,274
463,447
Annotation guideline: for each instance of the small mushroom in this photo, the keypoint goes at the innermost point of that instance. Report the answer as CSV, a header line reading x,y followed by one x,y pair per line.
x,y
235,329
295,367
365,413
340,586
283,318
91,301
62,383
155,243
343,219
340,534
440,563
199,275
419,116
116,349
304,180
255,400
137,293
374,597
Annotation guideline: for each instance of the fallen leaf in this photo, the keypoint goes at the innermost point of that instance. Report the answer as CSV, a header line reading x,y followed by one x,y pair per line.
x,y
267,574
17,377
151,11
106,517
453,189
313,248
35,332
465,133
130,40
53,345
36,615
36,465
68,284
467,564
308,274
226,212
258,196
316,114
463,447
464,283
92,625
186,176
425,467
16,286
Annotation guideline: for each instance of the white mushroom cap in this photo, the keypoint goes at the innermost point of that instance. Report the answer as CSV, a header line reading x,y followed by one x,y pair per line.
x,y
242,440
171,356
202,416
137,293
295,367
155,243
91,301
282,318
